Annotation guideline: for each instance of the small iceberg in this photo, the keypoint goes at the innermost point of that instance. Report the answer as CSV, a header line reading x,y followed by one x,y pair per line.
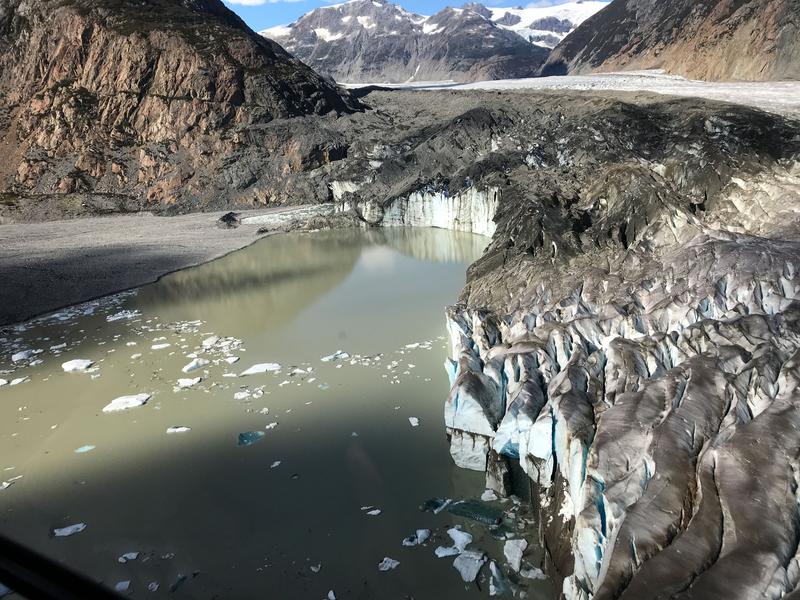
x,y
123,314
339,354
249,438
70,530
77,366
262,368
126,402
420,537
127,557
197,363
84,449
184,384
414,421
179,429
469,563
387,564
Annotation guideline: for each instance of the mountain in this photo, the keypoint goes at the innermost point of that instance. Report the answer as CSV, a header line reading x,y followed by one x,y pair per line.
x,y
374,41
708,39
144,103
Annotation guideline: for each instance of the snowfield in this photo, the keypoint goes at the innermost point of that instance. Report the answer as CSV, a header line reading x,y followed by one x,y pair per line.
x,y
775,96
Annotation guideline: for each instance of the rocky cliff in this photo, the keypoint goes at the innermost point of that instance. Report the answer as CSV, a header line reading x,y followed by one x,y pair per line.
x,y
378,42
711,39
125,106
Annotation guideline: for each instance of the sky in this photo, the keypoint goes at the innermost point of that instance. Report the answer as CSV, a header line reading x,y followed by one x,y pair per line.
x,y
260,14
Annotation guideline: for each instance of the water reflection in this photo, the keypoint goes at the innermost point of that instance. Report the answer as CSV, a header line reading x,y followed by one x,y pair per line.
x,y
241,522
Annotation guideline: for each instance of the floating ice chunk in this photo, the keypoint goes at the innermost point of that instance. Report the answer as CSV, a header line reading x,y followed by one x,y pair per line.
x,y
19,380
152,586
412,346
316,568
339,354
159,346
126,402
76,366
387,564
414,421
489,496
70,530
248,438
275,465
374,512
210,342
179,429
128,556
469,563
123,314
122,586
197,363
84,449
272,425
262,368
498,584
187,383
135,356
243,395
231,359
3,382
513,550
58,347
461,539
420,537
331,595
23,355
532,573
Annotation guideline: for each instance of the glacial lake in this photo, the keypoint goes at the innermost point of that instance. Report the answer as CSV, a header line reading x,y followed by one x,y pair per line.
x,y
274,489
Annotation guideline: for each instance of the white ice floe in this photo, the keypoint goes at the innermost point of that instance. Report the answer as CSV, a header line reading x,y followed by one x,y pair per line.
x,y
127,557
387,564
152,586
276,464
19,380
122,586
187,383
69,530
331,595
374,512
489,496
85,449
126,402
469,563
316,568
513,551
532,573
414,421
262,368
272,425
339,354
159,346
420,537
242,395
3,382
22,355
210,342
461,539
137,355
197,363
77,365
231,359
179,429
123,314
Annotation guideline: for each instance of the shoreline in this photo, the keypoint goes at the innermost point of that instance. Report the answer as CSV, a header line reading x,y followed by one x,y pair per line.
x,y
51,265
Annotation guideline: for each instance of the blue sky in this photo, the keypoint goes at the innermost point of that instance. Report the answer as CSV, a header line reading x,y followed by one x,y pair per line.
x,y
260,14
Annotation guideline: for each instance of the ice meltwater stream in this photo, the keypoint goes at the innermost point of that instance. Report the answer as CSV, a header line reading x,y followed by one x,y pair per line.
x,y
296,480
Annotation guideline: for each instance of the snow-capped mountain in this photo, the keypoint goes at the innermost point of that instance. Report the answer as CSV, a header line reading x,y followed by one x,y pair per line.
x,y
375,41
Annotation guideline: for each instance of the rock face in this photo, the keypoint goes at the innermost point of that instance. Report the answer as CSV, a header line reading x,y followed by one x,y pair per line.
x,y
142,106
374,41
712,39
631,337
